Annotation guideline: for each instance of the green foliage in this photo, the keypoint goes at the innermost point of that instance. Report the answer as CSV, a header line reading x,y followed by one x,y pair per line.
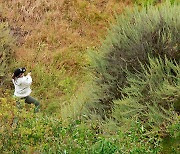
x,y
171,142
137,140
145,2
23,131
104,146
50,84
151,94
152,30
150,98
174,129
78,105
152,2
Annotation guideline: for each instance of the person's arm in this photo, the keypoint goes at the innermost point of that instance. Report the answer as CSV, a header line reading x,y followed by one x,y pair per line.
x,y
27,80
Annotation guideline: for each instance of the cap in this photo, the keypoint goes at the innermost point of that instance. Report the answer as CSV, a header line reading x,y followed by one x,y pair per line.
x,y
18,71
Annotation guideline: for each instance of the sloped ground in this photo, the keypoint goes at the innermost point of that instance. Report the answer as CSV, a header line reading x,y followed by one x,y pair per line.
x,y
52,38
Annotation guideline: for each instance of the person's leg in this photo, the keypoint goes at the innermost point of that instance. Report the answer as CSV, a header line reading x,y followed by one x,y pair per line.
x,y
19,105
31,100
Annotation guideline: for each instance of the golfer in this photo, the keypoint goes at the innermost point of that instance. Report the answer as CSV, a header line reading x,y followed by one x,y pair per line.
x,y
22,85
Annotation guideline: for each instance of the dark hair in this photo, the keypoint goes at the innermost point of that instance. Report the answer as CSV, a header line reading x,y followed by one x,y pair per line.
x,y
18,72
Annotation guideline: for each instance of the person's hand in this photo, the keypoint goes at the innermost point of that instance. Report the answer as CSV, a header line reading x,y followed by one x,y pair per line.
x,y
29,73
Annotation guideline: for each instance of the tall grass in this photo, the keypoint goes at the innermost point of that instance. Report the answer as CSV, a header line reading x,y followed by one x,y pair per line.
x,y
153,2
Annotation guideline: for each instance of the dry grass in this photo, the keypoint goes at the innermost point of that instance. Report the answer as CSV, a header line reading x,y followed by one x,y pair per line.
x,y
58,25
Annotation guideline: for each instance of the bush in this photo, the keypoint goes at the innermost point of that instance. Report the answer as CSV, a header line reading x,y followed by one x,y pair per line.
x,y
152,96
152,99
151,31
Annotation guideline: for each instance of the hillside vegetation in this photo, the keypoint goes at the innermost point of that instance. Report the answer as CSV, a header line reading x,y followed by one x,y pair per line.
x,y
106,74
52,38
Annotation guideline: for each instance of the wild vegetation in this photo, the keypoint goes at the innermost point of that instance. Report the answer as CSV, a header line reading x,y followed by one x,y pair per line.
x,y
52,38
107,75
6,49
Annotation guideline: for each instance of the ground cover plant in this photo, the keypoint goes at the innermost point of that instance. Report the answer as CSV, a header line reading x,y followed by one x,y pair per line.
x,y
23,131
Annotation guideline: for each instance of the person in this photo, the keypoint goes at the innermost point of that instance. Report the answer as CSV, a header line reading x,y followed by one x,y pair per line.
x,y
22,85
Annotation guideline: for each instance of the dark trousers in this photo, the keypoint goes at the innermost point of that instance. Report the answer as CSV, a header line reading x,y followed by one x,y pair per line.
x,y
31,100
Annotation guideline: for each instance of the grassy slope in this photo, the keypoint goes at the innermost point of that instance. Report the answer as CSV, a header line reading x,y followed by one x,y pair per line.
x,y
52,39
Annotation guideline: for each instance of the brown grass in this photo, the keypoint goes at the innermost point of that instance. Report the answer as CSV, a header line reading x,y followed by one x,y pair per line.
x,y
58,25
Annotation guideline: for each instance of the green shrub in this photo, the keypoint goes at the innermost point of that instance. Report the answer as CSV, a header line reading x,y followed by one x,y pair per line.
x,y
153,30
151,95
145,2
